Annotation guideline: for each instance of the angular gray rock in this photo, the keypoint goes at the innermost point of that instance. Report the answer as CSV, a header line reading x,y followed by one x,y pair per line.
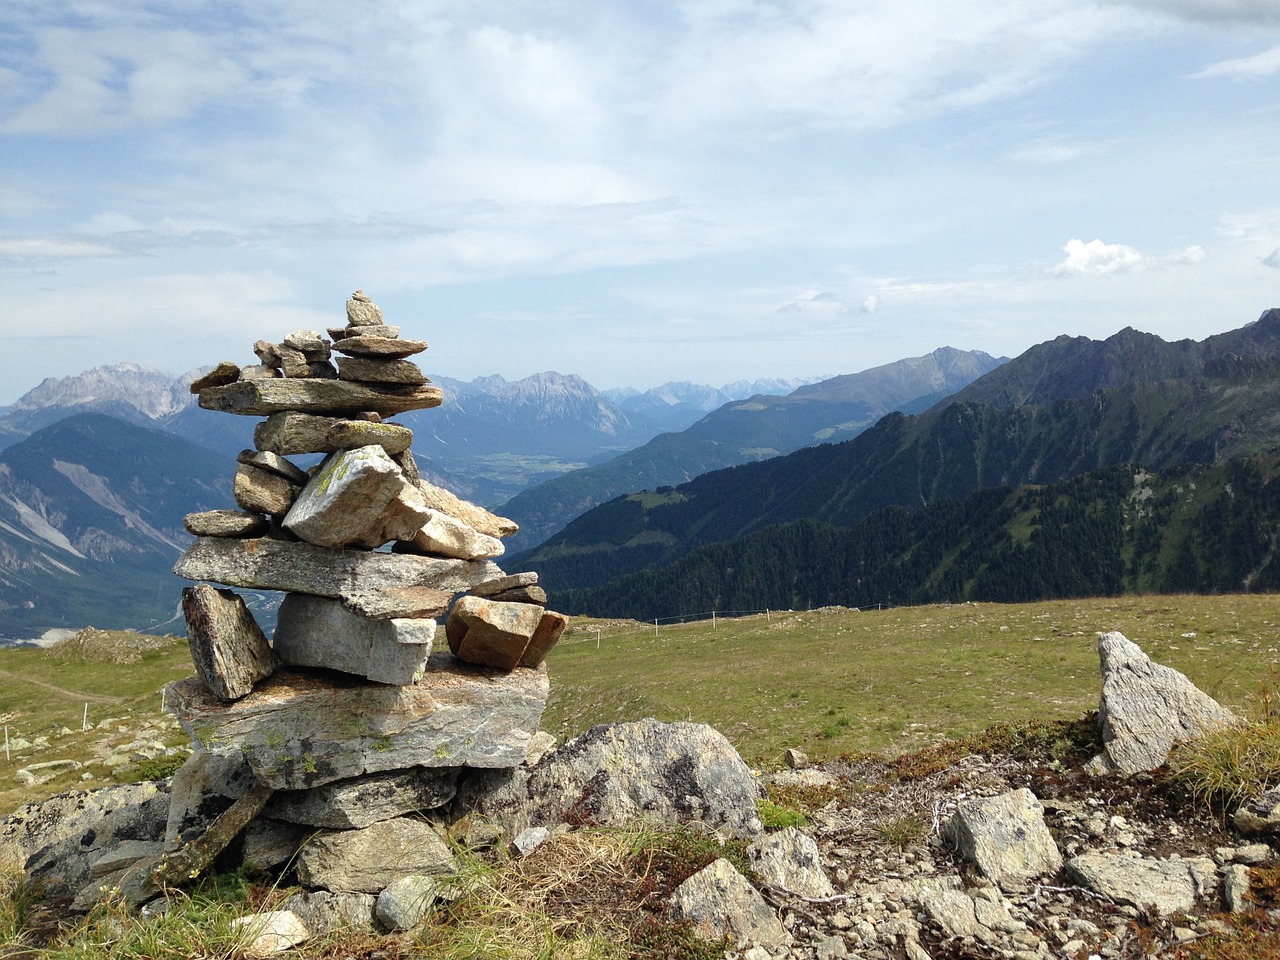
x,y
720,902
275,463
268,844
362,312
1165,886
369,860
266,934
225,372
399,602
1146,708
306,568
320,632
404,902
226,523
491,588
263,397
1006,837
228,648
790,859
477,518
618,773
201,791
291,433
380,371
324,912
298,730
363,801
357,498
1235,888
1260,814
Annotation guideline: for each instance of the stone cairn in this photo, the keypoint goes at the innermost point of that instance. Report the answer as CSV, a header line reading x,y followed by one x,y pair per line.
x,y
347,720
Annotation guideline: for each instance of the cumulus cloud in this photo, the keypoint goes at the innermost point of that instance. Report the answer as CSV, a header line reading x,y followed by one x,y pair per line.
x,y
1264,64
870,304
1096,257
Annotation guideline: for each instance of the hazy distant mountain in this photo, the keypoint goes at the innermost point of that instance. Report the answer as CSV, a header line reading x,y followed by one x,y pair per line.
x,y
1208,402
91,512
752,429
676,405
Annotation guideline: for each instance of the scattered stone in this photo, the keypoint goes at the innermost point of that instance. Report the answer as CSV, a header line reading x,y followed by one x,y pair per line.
x,y
288,729
225,522
369,860
1235,888
796,759
324,912
320,632
261,491
229,649
1252,854
404,902
357,498
266,934
225,372
1006,837
529,839
263,397
1164,886
719,902
1146,708
790,859
1260,814
306,568
615,774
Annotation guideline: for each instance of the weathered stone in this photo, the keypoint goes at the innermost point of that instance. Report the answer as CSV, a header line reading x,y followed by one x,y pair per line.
x,y
796,759
399,602
541,744
271,843
617,773
490,633
298,730
261,398
324,912
267,352
357,498
293,363
201,791
266,934
404,902
292,432
225,372
790,859
1260,814
1235,888
320,632
534,595
362,312
953,911
1146,708
229,649
225,523
362,801
720,902
368,330
258,371
408,466
550,628
369,860
443,536
304,568
1165,886
491,588
261,491
59,839
274,463
1006,837
309,342
365,370
322,370
477,518
529,839
392,348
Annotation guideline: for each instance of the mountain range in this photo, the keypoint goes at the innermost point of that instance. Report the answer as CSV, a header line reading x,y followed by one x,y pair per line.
x,y
1058,411
757,428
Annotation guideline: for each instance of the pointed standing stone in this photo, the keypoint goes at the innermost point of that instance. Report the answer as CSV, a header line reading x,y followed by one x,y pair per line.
x,y
228,648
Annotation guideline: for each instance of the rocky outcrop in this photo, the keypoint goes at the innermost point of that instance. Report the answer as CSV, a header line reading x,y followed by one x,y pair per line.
x,y
1146,708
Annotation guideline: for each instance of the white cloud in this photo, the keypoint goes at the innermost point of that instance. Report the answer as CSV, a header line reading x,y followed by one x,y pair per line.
x,y
1264,64
41,248
870,303
1096,257
1047,152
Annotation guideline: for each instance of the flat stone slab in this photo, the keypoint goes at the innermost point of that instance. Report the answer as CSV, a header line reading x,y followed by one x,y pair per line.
x,y
399,602
392,348
306,568
261,398
299,729
225,523
367,370
291,432
355,804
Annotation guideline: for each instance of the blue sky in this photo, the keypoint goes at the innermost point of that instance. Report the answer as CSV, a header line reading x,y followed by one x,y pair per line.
x,y
634,192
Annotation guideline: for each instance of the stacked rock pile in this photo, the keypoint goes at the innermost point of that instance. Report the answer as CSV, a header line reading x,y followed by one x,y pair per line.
x,y
346,718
